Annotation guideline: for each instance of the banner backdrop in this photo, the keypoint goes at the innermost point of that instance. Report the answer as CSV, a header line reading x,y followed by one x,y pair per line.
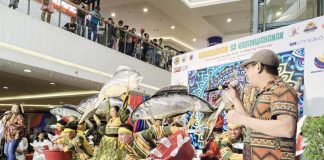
x,y
301,50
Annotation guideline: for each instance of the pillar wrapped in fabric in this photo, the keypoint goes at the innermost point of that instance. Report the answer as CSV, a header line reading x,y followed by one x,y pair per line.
x,y
57,155
214,40
175,147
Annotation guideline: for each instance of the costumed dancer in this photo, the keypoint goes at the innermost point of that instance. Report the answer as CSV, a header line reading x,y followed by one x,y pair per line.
x,y
78,144
109,147
227,139
139,145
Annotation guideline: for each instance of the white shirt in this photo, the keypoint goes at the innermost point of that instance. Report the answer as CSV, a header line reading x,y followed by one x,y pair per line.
x,y
22,146
39,146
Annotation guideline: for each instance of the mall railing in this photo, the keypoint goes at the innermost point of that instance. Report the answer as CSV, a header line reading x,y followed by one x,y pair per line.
x,y
107,34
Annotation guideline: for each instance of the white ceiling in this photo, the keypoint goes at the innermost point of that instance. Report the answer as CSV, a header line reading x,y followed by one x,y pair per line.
x,y
199,23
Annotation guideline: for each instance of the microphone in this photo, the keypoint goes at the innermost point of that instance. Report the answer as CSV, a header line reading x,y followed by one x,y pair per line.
x,y
233,83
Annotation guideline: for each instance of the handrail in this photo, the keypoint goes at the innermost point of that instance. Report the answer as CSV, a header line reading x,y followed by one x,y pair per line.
x,y
141,38
154,54
103,19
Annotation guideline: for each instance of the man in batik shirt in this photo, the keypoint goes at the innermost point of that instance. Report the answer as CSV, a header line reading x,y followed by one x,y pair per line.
x,y
273,116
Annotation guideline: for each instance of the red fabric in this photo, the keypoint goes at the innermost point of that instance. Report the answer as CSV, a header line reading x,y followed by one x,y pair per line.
x,y
134,101
219,122
37,119
213,151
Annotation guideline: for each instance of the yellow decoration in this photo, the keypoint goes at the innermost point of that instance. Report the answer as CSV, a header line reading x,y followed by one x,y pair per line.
x,y
66,130
233,126
124,130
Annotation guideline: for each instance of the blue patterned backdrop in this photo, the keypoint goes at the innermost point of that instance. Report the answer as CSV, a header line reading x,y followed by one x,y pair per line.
x,y
291,68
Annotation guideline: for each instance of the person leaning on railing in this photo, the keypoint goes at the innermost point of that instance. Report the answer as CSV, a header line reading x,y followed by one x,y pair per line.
x,y
110,25
71,26
81,14
93,23
123,37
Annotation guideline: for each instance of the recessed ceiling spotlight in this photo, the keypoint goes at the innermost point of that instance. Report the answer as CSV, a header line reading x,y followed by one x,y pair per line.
x,y
278,13
172,27
52,83
5,87
27,70
113,14
61,102
145,10
229,20
194,40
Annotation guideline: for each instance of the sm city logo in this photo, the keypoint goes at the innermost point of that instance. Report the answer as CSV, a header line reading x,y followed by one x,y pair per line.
x,y
304,41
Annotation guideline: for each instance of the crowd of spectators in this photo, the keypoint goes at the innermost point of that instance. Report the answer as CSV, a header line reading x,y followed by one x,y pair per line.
x,y
89,22
119,36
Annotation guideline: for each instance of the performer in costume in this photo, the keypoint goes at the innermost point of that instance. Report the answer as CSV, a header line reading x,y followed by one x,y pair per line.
x,y
109,147
139,145
211,150
79,146
227,139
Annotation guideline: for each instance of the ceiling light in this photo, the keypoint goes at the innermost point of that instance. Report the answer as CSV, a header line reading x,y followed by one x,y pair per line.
x,y
113,14
29,105
49,95
61,102
278,14
229,20
145,10
194,40
172,27
202,3
52,83
5,87
27,70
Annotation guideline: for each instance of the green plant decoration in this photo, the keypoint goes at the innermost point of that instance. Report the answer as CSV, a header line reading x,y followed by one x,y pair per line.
x,y
313,130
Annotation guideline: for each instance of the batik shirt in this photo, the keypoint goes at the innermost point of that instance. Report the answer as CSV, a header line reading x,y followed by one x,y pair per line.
x,y
14,126
277,98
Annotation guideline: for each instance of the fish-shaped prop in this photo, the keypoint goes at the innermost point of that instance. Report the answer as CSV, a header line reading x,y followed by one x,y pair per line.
x,y
66,111
168,102
124,80
70,110
88,104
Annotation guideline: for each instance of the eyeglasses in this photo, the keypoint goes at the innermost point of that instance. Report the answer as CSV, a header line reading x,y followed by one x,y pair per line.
x,y
249,65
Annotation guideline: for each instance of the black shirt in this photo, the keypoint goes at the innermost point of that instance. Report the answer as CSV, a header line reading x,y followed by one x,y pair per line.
x,y
70,27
